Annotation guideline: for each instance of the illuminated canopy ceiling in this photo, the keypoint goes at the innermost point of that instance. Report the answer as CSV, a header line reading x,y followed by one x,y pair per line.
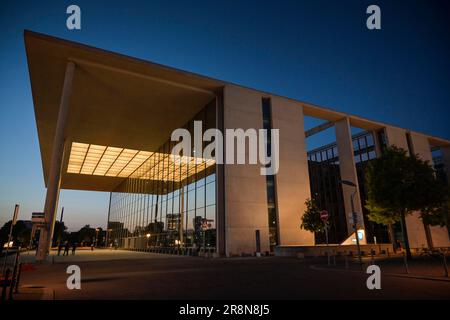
x,y
91,159
116,100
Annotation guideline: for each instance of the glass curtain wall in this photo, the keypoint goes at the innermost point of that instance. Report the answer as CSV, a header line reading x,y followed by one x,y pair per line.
x,y
324,175
167,205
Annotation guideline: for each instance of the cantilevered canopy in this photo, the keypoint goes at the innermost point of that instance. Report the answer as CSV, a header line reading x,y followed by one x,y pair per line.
x,y
117,101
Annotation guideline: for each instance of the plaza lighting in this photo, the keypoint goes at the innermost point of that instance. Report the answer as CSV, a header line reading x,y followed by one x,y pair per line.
x,y
354,216
97,160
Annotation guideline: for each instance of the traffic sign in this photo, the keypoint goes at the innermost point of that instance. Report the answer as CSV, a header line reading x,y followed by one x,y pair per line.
x,y
324,215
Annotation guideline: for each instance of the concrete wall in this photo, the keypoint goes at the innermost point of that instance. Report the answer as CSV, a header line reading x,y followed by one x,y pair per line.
x,y
421,146
245,189
292,180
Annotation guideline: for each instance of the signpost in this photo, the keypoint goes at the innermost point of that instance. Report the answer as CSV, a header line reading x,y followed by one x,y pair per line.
x,y
8,244
324,217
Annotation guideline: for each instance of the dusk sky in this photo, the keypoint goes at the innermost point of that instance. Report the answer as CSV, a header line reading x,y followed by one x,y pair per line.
x,y
316,51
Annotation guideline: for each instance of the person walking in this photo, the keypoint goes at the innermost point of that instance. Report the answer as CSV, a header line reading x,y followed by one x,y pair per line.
x,y
66,249
59,248
74,247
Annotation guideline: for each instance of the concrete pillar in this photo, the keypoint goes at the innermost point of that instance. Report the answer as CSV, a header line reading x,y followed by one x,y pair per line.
x,y
414,226
54,173
421,147
292,180
220,185
348,171
245,188
396,137
377,143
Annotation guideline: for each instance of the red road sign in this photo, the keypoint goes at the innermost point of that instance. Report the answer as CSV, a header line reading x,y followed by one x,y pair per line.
x,y
324,215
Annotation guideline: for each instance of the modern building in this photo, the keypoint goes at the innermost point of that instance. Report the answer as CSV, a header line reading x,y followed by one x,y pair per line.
x,y
104,123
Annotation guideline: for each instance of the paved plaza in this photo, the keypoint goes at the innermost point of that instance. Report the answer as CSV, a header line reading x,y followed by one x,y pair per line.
x,y
119,274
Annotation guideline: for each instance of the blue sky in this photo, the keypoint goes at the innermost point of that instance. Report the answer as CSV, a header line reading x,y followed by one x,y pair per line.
x,y
317,51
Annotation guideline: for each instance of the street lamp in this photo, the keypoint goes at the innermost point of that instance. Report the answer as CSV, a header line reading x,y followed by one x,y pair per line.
x,y
354,216
148,235
96,236
107,237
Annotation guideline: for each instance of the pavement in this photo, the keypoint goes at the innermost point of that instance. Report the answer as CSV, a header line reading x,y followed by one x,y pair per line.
x,y
120,274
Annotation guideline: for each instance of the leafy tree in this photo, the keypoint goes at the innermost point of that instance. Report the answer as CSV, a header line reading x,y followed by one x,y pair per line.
x,y
311,217
384,217
20,234
437,216
59,233
398,185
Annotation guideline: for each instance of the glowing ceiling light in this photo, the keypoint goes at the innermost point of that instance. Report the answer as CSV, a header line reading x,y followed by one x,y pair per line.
x,y
91,159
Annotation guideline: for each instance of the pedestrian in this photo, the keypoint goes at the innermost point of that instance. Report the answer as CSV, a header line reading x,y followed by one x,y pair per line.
x,y
66,249
399,246
92,246
74,247
59,248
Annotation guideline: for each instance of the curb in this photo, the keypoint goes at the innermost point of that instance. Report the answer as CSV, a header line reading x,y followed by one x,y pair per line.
x,y
398,275
44,292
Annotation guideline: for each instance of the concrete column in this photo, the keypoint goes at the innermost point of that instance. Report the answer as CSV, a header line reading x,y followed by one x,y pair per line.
x,y
377,143
292,180
348,171
245,188
439,235
396,137
54,173
416,229
421,146
414,226
220,186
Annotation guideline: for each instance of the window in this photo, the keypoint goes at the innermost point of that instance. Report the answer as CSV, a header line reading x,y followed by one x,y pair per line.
x,y
270,180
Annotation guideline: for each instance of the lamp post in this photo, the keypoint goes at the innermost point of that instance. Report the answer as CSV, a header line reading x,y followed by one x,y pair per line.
x,y
148,235
107,237
96,236
354,217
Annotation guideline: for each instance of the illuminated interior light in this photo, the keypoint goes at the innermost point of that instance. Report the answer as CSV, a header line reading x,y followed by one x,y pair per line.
x,y
90,159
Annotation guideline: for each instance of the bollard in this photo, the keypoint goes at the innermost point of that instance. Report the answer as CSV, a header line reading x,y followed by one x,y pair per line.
x,y
334,259
5,283
19,272
445,264
406,262
14,274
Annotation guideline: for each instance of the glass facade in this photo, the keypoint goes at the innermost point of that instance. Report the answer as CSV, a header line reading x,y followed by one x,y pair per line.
x,y
325,186
438,164
165,204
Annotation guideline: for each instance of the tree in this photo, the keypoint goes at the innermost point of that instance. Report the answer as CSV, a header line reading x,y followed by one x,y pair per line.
x,y
20,234
311,217
399,185
59,233
384,217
